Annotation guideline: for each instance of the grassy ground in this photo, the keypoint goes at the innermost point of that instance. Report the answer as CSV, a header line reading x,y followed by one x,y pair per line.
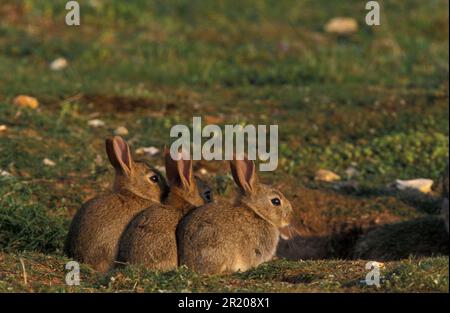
x,y
377,101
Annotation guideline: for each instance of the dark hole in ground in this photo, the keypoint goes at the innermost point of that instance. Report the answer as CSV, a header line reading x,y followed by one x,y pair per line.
x,y
421,237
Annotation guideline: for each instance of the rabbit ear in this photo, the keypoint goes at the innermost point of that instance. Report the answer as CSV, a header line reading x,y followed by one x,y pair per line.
x,y
119,154
171,166
244,174
179,171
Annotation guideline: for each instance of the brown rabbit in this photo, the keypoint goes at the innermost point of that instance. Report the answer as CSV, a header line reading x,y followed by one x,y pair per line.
x,y
97,226
219,238
150,239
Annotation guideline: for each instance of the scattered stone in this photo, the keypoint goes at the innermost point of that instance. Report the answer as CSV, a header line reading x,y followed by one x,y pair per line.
x,y
5,173
48,162
342,26
98,160
150,151
421,184
59,64
26,102
121,131
326,176
96,123
3,128
351,172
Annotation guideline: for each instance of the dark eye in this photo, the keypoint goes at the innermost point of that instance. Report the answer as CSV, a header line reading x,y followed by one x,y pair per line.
x,y
207,195
154,178
276,201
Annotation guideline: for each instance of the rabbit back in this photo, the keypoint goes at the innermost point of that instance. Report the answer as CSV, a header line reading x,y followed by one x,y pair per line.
x,y
150,240
97,226
216,239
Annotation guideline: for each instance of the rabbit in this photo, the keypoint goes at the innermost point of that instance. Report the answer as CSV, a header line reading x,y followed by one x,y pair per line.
x,y
96,228
218,238
445,192
150,238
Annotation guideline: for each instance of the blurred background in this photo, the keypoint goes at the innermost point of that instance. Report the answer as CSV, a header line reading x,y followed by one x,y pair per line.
x,y
365,105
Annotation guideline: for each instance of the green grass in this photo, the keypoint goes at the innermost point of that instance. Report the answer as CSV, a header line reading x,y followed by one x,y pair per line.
x,y
377,101
47,274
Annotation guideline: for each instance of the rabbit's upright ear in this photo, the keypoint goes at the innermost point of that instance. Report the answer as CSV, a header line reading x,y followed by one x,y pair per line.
x,y
244,174
119,155
179,171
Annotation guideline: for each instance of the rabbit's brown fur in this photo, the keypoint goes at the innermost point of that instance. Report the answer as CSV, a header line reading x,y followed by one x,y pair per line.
x,y
219,238
150,239
97,226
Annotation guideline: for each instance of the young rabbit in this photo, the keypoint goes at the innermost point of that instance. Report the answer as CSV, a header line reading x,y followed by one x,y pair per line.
x,y
150,239
95,231
219,238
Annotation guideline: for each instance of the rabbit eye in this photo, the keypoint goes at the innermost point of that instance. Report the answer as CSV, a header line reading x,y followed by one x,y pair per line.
x,y
276,201
207,195
154,178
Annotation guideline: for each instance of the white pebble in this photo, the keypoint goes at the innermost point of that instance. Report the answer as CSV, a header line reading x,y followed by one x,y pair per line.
x,y
420,184
96,123
326,175
342,26
5,173
150,151
351,172
48,162
121,131
59,64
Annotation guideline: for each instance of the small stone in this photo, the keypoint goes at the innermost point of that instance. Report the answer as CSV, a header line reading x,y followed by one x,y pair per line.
x,y
421,184
26,102
48,162
3,128
59,64
98,160
341,26
150,151
96,123
5,173
326,175
121,131
351,172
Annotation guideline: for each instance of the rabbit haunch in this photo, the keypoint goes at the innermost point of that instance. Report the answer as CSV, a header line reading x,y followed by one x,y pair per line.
x,y
150,238
221,238
97,226
212,148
